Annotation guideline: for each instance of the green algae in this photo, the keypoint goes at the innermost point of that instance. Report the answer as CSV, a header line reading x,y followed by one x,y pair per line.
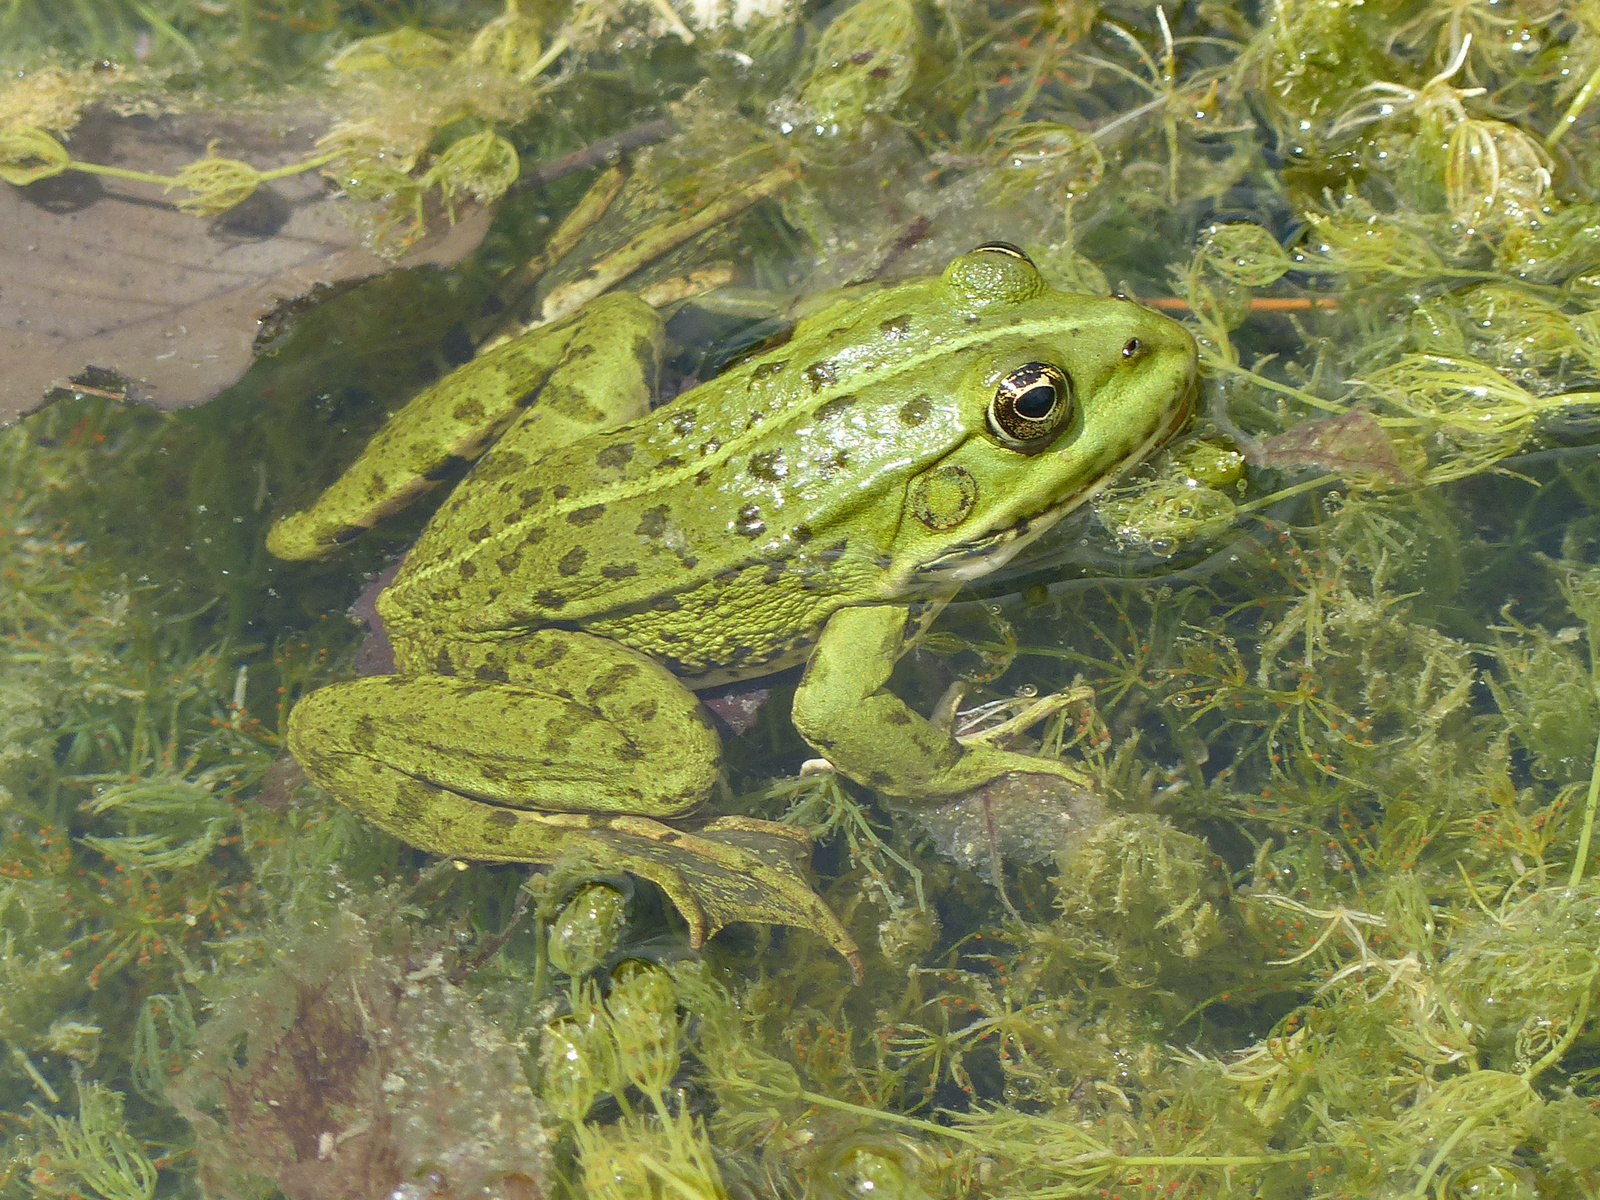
x,y
1329,925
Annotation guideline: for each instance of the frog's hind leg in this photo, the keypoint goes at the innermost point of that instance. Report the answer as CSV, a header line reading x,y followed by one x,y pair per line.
x,y
563,745
556,721
546,388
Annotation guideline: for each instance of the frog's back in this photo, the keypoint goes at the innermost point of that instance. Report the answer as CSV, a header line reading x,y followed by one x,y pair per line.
x,y
718,531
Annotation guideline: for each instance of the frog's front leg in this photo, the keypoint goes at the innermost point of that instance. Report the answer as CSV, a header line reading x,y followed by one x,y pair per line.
x,y
844,708
546,388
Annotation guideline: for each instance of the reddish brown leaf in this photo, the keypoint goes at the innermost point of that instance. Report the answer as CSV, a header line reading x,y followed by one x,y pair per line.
x,y
1351,444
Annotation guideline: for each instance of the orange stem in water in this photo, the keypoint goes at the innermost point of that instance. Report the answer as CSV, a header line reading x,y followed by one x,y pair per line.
x,y
1259,304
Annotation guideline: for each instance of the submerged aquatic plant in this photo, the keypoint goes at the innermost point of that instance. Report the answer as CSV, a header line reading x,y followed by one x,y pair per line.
x,y
1328,925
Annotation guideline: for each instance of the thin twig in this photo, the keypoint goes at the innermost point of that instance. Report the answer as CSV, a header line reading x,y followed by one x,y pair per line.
x,y
596,154
492,944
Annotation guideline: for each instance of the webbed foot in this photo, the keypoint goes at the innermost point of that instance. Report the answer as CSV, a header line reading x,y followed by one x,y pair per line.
x,y
730,869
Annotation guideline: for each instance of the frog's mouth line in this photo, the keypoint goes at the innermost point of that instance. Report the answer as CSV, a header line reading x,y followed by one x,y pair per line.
x,y
991,551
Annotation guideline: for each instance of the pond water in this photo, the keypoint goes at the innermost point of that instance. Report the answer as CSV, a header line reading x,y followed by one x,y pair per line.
x,y
1120,481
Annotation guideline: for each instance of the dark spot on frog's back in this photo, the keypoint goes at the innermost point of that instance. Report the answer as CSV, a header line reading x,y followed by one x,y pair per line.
x,y
572,561
468,568
916,410
491,673
530,496
618,571
468,411
653,522
896,327
834,407
769,369
682,422
585,515
820,375
768,465
749,522
614,458
364,736
500,464
501,819
535,534
480,534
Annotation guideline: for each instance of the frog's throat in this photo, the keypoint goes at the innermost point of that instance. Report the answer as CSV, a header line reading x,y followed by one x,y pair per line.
x,y
989,552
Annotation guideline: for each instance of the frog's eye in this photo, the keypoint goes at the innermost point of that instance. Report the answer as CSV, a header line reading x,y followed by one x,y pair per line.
x,y
1030,406
1005,248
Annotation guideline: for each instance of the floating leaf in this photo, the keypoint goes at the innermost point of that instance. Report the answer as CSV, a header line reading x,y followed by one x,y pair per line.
x,y
1354,445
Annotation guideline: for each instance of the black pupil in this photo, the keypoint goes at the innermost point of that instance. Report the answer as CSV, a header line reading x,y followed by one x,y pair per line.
x,y
1036,403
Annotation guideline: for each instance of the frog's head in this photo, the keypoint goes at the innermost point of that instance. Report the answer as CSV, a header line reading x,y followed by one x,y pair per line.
x,y
1045,396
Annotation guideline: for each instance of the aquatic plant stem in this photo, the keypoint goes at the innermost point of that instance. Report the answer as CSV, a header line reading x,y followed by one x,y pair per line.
x,y
1579,1020
171,181
556,50
1272,385
1420,1192
617,266
1101,1157
1574,110
39,1081
169,31
1581,858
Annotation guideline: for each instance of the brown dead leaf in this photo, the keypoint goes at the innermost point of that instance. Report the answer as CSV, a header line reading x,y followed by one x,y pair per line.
x,y
107,273
1353,444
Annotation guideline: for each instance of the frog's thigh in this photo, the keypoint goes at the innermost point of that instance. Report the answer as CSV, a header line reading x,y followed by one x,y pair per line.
x,y
843,708
614,741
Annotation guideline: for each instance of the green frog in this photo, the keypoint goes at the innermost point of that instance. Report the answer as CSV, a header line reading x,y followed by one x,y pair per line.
x,y
815,503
